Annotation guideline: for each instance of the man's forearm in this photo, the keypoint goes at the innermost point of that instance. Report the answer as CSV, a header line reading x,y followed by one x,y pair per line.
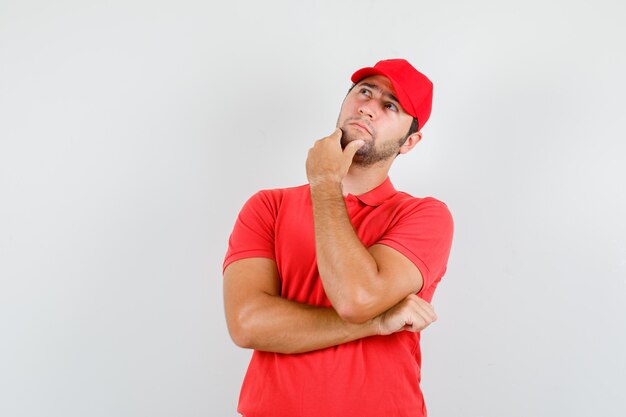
x,y
351,275
347,269
274,324
259,318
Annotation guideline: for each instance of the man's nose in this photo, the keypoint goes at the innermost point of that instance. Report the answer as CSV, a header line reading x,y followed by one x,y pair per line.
x,y
367,109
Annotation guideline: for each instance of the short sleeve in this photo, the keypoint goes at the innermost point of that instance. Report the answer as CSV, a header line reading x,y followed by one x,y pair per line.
x,y
253,233
423,233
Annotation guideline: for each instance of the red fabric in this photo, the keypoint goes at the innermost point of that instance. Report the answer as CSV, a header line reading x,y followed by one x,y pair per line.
x,y
374,376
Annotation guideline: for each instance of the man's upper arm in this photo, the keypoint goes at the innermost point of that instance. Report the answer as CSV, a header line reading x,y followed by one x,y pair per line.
x,y
424,237
397,277
246,283
397,267
412,255
250,272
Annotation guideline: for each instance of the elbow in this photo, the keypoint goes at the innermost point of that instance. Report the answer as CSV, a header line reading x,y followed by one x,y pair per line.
x,y
357,310
354,317
239,333
241,339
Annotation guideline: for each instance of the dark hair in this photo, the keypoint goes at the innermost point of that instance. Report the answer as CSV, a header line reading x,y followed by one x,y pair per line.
x,y
414,127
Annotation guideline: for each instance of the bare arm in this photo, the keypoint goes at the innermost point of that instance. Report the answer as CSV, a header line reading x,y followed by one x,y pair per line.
x,y
258,318
361,283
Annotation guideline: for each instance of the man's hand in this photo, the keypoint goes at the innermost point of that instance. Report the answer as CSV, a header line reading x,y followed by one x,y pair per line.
x,y
327,161
412,314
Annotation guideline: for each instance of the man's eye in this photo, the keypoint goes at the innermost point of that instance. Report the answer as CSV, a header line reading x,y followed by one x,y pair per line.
x,y
366,92
391,106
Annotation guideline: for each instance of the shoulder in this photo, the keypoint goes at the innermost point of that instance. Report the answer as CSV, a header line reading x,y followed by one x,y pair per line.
x,y
280,193
421,204
423,213
275,197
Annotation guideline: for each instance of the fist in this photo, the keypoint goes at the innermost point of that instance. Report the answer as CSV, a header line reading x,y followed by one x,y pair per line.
x,y
412,314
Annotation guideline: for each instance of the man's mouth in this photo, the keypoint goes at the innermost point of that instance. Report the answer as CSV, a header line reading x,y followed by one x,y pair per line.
x,y
360,126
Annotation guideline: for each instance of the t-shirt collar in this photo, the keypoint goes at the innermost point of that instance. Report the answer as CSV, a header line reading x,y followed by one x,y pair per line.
x,y
378,195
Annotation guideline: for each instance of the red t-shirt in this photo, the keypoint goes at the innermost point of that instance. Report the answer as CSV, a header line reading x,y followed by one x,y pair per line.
x,y
374,376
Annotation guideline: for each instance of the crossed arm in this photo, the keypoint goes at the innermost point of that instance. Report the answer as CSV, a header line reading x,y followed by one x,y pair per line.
x,y
360,283
372,290
259,318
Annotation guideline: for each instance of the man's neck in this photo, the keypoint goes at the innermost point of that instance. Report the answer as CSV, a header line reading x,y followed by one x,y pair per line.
x,y
360,180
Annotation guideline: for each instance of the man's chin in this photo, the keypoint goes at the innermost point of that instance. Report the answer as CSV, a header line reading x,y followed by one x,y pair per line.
x,y
348,137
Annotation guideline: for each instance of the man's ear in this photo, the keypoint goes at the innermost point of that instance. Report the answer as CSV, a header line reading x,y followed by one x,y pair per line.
x,y
410,142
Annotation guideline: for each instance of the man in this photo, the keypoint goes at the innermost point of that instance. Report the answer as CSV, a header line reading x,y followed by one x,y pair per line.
x,y
330,282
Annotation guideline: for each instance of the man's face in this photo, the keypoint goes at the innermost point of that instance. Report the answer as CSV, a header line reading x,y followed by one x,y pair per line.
x,y
371,112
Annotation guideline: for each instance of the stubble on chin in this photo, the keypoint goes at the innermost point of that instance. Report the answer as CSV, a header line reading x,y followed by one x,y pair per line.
x,y
347,137
363,154
368,154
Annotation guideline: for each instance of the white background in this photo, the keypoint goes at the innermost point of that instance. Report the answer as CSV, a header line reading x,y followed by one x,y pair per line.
x,y
131,132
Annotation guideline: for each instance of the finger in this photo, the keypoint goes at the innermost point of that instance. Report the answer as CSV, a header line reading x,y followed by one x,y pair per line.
x,y
425,310
420,315
415,323
418,326
351,148
422,319
336,135
424,305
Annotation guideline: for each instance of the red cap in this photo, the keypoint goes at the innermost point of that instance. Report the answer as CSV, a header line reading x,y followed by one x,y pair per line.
x,y
413,89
